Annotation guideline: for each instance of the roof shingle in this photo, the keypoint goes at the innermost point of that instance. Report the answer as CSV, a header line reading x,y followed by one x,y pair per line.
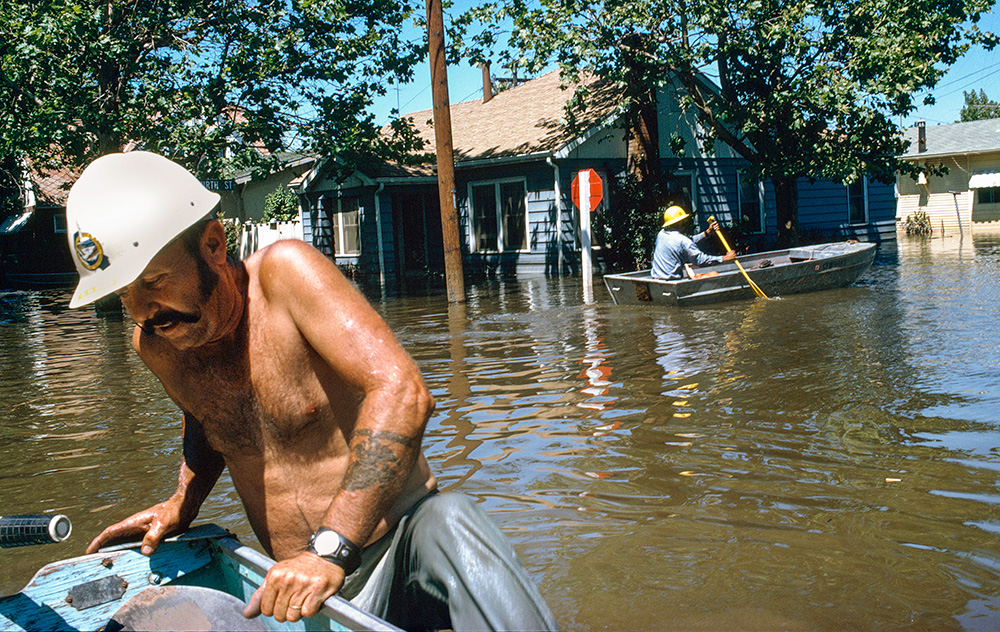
x,y
529,119
971,137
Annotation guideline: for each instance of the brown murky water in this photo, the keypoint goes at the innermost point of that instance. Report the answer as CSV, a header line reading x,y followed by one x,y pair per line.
x,y
828,461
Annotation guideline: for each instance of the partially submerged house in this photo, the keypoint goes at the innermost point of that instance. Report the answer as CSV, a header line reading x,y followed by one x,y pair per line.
x,y
967,197
515,159
243,197
33,247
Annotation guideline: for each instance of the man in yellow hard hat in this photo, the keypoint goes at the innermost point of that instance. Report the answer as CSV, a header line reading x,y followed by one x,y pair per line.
x,y
288,378
674,248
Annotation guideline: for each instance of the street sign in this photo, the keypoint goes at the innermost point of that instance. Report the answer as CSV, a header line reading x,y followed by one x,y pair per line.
x,y
586,191
595,190
215,184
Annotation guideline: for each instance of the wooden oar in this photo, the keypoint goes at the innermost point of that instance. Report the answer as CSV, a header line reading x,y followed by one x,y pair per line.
x,y
756,290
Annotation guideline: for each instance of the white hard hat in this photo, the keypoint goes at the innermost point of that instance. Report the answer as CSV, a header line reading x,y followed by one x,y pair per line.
x,y
122,211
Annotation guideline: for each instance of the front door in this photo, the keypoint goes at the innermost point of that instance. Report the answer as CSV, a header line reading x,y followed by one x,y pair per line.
x,y
416,217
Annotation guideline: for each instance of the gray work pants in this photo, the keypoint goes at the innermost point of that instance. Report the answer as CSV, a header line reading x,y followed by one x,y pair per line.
x,y
447,565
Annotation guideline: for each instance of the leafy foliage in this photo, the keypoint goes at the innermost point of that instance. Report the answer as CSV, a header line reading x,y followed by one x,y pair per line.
x,y
978,107
803,89
918,224
281,205
207,83
233,231
10,189
629,233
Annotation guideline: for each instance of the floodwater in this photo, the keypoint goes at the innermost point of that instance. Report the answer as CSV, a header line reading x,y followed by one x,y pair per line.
x,y
828,461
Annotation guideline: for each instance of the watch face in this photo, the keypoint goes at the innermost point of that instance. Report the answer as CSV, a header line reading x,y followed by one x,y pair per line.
x,y
326,543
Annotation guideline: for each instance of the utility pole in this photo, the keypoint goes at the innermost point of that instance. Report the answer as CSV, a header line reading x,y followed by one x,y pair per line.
x,y
445,154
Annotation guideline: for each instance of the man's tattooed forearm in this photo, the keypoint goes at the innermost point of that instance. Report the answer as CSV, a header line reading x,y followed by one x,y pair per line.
x,y
385,435
375,464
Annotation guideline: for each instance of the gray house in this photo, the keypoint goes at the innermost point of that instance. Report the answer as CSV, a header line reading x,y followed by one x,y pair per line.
x,y
515,160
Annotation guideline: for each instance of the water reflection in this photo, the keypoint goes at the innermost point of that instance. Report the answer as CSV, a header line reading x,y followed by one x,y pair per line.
x,y
821,462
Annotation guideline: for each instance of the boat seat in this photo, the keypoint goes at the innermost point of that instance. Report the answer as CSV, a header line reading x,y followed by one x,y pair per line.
x,y
183,608
801,254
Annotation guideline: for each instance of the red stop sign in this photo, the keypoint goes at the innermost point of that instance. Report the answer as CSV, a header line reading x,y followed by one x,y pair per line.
x,y
595,192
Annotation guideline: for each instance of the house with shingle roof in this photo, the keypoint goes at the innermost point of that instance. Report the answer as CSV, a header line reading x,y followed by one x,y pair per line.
x,y
33,251
968,196
515,158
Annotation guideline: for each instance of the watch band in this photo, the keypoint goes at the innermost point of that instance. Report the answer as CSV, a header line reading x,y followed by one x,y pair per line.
x,y
336,549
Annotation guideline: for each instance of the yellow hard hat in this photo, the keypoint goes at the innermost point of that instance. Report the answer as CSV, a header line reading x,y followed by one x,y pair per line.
x,y
673,214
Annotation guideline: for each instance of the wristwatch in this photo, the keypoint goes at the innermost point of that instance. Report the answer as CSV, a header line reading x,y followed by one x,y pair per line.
x,y
336,549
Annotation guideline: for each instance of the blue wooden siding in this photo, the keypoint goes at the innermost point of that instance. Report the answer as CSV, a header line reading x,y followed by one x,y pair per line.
x,y
317,229
540,254
823,213
822,207
388,236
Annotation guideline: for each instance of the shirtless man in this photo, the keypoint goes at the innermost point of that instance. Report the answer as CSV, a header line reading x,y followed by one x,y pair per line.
x,y
287,376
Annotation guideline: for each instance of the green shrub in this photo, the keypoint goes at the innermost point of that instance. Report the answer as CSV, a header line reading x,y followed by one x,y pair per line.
x,y
918,224
627,227
281,205
232,227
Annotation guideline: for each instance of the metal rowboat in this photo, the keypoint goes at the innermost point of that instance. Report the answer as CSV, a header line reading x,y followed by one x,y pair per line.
x,y
776,272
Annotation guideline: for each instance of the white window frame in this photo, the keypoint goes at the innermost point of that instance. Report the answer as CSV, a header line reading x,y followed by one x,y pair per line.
x,y
741,175
864,202
337,225
497,200
994,193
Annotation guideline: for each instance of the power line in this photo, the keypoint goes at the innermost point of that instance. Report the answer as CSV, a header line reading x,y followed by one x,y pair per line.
x,y
975,81
964,77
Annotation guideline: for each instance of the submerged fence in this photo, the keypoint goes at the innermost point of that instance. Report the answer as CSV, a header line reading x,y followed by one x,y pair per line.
x,y
253,236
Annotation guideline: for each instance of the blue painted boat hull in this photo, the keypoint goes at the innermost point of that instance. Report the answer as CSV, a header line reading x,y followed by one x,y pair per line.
x,y
84,593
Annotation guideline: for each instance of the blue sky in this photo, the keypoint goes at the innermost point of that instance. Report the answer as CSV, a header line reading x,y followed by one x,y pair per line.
x,y
978,69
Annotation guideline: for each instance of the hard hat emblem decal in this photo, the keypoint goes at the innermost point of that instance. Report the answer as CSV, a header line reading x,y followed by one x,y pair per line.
x,y
89,251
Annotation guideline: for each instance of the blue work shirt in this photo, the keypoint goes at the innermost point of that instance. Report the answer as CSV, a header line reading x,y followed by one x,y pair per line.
x,y
673,250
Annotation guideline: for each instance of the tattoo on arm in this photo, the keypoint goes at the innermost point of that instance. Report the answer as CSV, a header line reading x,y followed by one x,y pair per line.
x,y
378,459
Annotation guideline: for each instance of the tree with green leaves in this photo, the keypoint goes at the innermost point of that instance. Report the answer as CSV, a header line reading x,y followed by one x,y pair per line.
x,y
978,107
10,186
207,83
281,205
800,89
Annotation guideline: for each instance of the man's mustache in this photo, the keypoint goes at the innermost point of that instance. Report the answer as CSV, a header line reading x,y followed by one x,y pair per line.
x,y
168,316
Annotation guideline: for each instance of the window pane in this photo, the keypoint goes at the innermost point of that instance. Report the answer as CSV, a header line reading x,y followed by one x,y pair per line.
x,y
678,191
989,195
513,216
750,217
335,231
484,213
856,200
350,217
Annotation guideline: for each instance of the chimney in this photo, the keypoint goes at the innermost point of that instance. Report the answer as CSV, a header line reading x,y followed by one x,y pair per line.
x,y
921,136
487,83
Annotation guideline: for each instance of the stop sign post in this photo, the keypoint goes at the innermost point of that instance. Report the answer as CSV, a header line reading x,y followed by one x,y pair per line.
x,y
587,192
